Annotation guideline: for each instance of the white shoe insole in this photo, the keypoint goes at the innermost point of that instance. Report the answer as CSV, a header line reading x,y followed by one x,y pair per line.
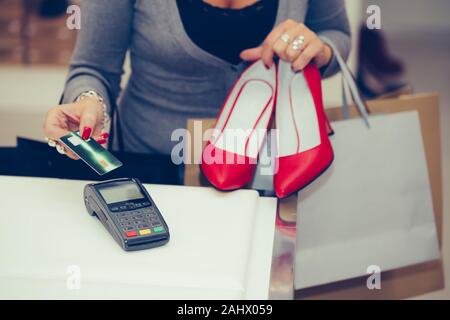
x,y
296,116
245,130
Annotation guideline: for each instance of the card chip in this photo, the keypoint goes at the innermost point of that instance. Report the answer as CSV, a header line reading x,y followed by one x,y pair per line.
x,y
104,164
75,140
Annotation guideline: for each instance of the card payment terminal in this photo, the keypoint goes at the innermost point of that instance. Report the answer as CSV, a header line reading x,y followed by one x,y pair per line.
x,y
128,212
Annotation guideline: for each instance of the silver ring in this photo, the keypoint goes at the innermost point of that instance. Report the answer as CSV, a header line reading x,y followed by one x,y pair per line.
x,y
52,143
285,38
60,149
297,44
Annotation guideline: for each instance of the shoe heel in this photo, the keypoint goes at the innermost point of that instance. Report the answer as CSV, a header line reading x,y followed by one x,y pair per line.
x,y
330,130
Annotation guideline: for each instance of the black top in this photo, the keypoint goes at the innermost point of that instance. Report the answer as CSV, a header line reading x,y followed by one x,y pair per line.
x,y
225,33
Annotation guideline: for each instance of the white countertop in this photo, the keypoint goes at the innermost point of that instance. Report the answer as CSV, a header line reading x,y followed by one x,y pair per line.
x,y
220,247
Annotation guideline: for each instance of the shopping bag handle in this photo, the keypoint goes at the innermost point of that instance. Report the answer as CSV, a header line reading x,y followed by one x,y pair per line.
x,y
349,80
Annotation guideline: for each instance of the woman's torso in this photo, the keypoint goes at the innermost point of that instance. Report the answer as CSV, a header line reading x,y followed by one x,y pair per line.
x,y
173,79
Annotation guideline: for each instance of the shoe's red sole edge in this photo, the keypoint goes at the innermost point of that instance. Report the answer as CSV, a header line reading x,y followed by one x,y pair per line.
x,y
309,183
220,189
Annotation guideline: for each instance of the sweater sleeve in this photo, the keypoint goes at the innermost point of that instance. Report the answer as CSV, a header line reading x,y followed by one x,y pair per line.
x,y
102,43
329,20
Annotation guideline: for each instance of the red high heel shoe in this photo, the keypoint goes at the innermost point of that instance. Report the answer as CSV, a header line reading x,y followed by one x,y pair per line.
x,y
230,156
304,149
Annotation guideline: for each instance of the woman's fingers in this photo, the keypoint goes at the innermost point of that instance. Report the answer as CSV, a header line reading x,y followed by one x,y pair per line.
x,y
311,50
88,121
301,40
71,155
292,42
269,44
61,148
64,151
83,116
283,45
251,54
266,51
55,125
63,119
103,138
58,123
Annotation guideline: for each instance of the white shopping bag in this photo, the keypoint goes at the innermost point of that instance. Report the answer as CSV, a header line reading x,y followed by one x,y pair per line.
x,y
373,207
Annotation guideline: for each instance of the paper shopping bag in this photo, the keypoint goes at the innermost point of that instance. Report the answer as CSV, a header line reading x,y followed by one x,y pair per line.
x,y
372,207
410,280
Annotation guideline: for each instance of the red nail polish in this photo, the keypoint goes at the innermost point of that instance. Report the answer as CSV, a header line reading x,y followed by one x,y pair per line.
x,y
105,135
86,133
101,141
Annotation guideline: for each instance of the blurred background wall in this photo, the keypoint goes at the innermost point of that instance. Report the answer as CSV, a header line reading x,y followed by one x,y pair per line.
x,y
414,17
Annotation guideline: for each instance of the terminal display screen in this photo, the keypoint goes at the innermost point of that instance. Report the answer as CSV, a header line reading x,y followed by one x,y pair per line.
x,y
122,192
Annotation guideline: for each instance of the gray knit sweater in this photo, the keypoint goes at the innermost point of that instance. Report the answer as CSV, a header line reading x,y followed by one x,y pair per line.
x,y
172,79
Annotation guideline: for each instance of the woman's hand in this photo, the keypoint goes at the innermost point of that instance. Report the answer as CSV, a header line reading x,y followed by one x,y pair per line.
x,y
85,116
292,42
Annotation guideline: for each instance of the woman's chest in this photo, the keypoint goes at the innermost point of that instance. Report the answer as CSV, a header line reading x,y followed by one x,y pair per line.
x,y
160,38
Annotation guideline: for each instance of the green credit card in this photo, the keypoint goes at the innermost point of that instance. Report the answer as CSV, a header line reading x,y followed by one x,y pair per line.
x,y
91,152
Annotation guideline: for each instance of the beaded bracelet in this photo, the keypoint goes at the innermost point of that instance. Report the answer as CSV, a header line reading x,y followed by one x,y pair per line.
x,y
99,98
